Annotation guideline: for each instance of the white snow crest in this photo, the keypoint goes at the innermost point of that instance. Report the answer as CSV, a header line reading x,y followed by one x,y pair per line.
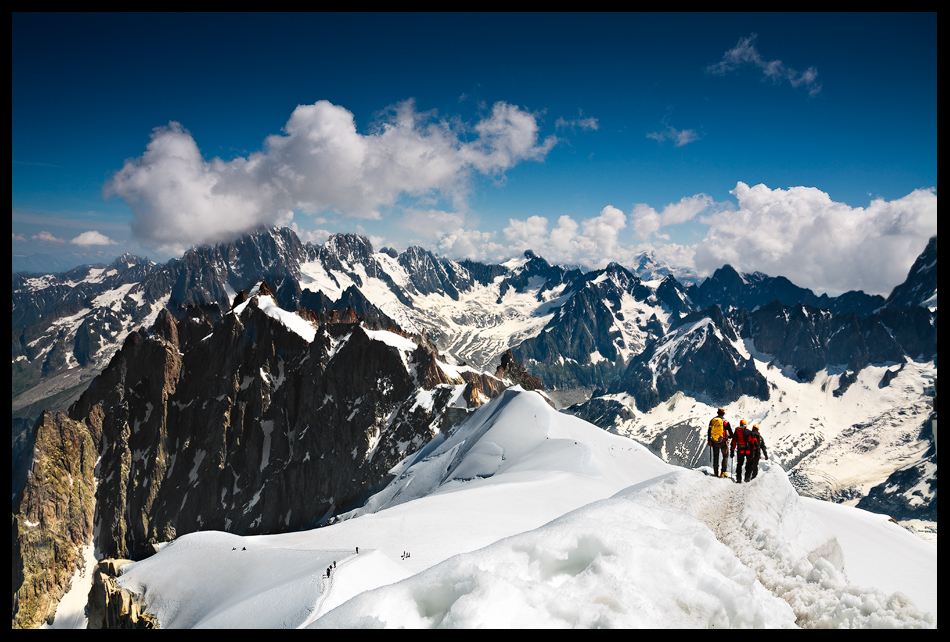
x,y
793,554
681,550
621,562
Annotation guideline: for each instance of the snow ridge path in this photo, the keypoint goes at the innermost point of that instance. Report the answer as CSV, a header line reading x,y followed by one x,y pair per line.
x,y
327,584
815,585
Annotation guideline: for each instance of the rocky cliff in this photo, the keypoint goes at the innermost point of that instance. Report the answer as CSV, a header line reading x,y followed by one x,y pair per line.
x,y
53,517
698,356
265,422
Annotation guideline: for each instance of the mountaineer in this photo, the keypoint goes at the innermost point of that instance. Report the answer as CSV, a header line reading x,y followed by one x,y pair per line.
x,y
759,451
743,441
717,438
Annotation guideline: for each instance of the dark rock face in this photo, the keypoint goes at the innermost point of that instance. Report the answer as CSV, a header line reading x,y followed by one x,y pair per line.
x,y
202,279
244,426
809,339
674,296
696,357
602,412
897,498
515,372
353,300
588,323
252,430
726,287
537,268
920,287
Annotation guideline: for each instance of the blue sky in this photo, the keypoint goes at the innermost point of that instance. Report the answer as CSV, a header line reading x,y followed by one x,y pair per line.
x,y
802,145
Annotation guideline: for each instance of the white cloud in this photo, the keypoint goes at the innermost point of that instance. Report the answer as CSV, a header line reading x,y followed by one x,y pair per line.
x,y
745,53
92,237
583,123
431,224
472,244
800,233
680,137
593,242
525,234
647,222
46,237
18,237
603,231
320,162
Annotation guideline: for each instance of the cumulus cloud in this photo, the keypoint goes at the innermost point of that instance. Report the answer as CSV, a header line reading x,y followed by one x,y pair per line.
x,y
800,233
473,244
745,53
46,237
92,237
431,224
647,222
320,162
592,242
679,137
18,237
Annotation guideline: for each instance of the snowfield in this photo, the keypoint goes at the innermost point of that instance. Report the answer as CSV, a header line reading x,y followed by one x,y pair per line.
x,y
526,517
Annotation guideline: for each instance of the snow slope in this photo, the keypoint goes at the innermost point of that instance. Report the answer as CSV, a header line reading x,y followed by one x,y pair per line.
x,y
528,517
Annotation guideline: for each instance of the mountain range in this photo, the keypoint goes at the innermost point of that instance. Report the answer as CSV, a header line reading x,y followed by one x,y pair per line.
x,y
204,393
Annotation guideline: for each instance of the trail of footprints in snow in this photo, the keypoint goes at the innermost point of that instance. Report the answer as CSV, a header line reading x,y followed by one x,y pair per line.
x,y
818,593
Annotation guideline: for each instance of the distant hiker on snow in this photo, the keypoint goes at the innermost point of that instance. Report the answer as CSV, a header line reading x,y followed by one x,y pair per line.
x,y
760,450
746,443
717,439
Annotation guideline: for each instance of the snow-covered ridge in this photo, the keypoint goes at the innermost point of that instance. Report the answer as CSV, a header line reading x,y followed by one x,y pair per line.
x,y
292,321
555,523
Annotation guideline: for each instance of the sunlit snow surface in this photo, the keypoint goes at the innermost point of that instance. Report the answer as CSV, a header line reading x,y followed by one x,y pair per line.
x,y
525,517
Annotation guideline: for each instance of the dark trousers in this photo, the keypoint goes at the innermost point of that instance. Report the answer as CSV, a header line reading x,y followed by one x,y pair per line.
x,y
717,449
743,458
753,466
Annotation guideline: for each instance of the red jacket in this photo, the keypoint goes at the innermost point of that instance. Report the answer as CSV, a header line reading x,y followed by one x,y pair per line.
x,y
745,440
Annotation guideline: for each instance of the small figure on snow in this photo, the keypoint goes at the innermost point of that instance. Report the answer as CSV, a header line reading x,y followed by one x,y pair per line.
x,y
717,438
745,442
759,451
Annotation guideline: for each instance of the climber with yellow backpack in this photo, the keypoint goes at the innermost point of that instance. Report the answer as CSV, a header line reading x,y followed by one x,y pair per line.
x,y
717,438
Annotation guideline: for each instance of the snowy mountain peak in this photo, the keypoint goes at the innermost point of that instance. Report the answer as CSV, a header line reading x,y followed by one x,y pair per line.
x,y
351,248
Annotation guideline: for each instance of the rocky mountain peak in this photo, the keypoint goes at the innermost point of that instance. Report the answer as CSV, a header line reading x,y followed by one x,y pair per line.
x,y
352,248
166,327
920,286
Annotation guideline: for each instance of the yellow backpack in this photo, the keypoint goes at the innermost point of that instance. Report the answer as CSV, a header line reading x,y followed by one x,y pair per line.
x,y
716,429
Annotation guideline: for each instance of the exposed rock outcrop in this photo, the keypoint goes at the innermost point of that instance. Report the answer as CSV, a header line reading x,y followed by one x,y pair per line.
x,y
112,607
54,518
513,371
